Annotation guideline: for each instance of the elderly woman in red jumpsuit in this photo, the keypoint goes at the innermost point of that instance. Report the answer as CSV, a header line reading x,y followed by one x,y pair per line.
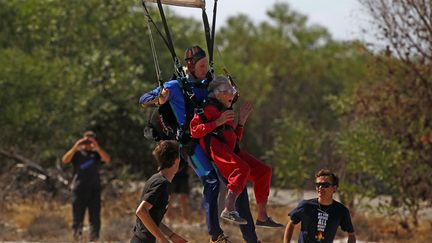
x,y
219,135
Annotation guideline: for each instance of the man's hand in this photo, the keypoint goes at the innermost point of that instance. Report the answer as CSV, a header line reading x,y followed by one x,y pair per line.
x,y
177,239
95,147
67,157
78,143
163,96
244,112
162,240
225,117
94,144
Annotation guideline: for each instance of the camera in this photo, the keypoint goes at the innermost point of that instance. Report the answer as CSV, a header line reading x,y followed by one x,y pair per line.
x,y
86,142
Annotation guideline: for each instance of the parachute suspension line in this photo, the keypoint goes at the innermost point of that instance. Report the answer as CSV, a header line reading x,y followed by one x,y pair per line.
x,y
228,74
154,54
178,70
210,37
230,78
149,18
177,65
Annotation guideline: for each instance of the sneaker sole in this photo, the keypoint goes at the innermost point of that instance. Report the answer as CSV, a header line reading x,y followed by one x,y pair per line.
x,y
233,221
269,227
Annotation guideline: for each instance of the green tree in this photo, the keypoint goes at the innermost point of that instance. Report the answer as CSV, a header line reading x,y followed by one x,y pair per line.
x,y
399,103
293,152
85,64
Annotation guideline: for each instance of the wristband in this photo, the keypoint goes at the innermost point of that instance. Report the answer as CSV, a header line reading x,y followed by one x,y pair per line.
x,y
172,233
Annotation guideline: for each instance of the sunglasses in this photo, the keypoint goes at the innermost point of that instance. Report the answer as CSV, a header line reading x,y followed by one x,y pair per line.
x,y
231,90
323,184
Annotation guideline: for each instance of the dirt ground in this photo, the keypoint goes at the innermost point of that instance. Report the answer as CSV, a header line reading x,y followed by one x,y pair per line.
x,y
47,220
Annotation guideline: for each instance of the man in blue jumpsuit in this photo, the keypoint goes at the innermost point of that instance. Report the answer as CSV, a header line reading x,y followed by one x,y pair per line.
x,y
173,95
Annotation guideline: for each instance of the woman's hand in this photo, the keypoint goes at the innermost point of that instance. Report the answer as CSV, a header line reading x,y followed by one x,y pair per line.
x,y
244,112
225,117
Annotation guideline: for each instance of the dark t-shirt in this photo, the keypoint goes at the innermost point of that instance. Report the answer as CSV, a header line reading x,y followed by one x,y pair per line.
x,y
183,167
319,223
156,193
86,166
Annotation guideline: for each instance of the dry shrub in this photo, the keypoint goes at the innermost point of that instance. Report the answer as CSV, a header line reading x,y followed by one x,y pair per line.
x,y
118,213
7,232
118,229
423,233
370,228
22,213
37,220
46,226
380,229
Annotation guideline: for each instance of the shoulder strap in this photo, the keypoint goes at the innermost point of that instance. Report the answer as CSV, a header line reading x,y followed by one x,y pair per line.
x,y
191,103
188,92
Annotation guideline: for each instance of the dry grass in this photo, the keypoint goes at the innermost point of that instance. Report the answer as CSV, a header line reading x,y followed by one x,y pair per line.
x,y
372,228
45,220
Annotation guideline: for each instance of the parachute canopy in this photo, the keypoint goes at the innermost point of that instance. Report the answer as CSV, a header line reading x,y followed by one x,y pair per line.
x,y
182,3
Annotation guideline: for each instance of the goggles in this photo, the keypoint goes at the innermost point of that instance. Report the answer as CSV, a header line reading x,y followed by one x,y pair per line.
x,y
231,90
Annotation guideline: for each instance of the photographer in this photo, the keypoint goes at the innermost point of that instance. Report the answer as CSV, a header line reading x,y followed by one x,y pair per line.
x,y
86,157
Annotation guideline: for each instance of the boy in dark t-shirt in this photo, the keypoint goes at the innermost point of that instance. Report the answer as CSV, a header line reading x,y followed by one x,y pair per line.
x,y
155,198
180,190
320,217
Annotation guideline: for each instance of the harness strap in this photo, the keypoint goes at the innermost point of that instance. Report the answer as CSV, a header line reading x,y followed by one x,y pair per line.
x,y
217,132
191,104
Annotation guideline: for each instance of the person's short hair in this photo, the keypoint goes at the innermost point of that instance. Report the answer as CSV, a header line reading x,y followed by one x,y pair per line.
x,y
194,54
218,81
165,153
89,133
330,174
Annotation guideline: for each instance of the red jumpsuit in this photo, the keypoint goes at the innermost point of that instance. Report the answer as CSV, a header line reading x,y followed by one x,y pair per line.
x,y
239,167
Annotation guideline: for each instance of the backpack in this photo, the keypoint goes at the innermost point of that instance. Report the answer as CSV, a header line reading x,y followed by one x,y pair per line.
x,y
162,124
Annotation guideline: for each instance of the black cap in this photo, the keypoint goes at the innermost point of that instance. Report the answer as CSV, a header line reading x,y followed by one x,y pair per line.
x,y
194,54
